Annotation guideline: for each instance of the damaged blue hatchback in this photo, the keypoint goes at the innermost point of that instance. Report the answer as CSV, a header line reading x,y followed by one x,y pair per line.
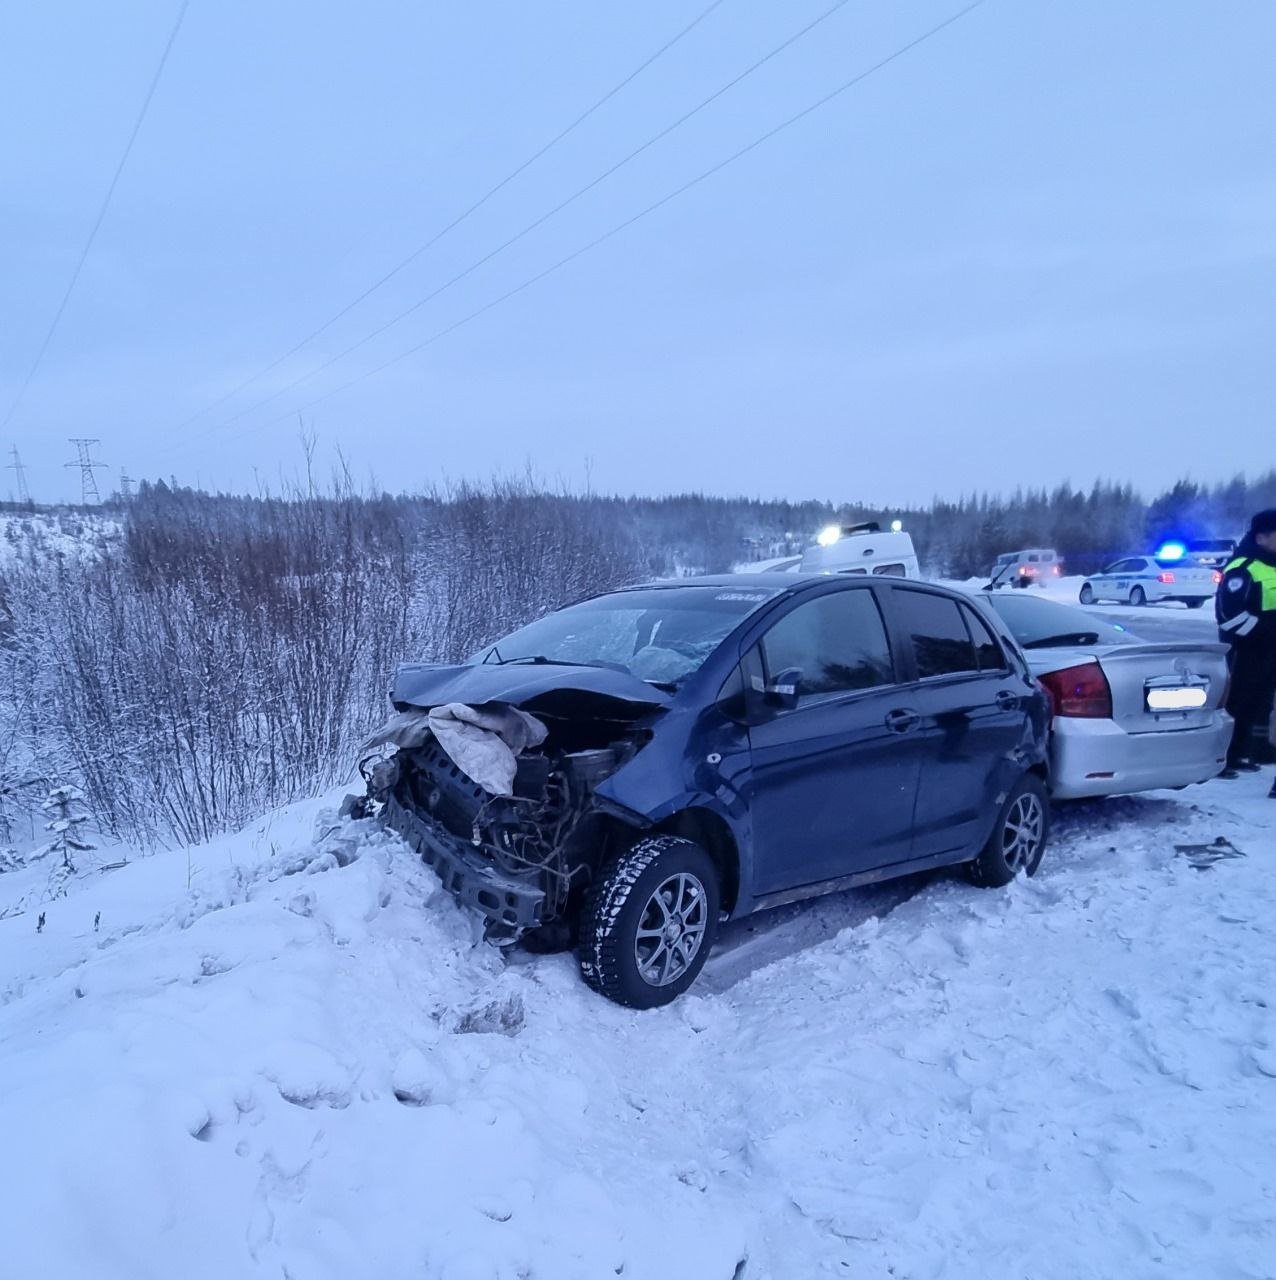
x,y
628,772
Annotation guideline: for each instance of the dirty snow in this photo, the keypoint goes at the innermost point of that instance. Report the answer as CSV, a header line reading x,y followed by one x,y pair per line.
x,y
286,1056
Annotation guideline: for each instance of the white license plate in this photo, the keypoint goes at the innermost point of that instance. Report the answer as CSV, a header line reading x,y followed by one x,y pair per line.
x,y
1182,699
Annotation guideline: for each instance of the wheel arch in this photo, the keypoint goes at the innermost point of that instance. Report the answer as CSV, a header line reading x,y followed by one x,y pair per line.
x,y
711,832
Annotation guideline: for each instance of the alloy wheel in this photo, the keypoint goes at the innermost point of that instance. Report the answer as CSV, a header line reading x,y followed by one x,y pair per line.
x,y
1022,832
671,929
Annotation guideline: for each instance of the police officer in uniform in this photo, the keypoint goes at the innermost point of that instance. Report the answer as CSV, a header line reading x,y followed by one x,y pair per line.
x,y
1246,612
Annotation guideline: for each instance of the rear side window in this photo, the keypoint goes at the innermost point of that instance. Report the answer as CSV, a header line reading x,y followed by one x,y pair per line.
x,y
987,650
837,641
890,571
935,628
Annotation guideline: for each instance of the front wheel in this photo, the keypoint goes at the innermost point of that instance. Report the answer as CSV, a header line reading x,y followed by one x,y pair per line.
x,y
1018,838
1138,597
649,922
1087,593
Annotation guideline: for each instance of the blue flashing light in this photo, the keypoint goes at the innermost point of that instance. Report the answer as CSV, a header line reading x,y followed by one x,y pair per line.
x,y
1171,551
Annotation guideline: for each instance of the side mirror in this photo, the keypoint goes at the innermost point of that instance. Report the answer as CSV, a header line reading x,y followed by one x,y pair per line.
x,y
782,692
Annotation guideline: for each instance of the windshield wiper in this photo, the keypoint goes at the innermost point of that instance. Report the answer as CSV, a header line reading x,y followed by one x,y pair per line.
x,y
542,660
1069,639
536,660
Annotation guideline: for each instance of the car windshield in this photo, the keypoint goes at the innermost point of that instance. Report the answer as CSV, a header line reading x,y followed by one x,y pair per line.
x,y
659,634
1045,624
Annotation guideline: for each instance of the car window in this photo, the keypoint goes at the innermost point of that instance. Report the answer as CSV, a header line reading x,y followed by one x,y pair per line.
x,y
1047,624
660,634
890,571
1032,559
941,643
987,649
838,642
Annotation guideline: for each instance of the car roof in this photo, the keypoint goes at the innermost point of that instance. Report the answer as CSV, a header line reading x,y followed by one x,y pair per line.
x,y
792,582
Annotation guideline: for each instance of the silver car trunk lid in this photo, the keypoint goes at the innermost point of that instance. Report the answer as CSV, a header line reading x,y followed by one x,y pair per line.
x,y
1150,683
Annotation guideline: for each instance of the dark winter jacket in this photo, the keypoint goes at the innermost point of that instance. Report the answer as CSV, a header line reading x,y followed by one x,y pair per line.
x,y
1246,601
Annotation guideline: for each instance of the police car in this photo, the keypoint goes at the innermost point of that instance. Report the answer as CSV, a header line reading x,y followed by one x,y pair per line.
x,y
1171,574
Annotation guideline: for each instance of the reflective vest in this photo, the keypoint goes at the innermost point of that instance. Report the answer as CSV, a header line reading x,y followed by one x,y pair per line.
x,y
1262,573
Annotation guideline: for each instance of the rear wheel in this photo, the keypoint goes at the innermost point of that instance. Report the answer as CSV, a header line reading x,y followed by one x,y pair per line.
x,y
1018,838
1087,593
1138,597
649,922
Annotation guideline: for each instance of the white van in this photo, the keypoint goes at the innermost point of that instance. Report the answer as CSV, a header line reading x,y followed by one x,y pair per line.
x,y
861,550
1031,568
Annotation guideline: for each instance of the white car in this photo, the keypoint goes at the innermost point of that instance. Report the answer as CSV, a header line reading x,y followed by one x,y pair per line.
x,y
1128,715
1140,580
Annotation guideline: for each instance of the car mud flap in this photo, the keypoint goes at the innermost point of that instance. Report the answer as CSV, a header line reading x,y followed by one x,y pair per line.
x,y
509,906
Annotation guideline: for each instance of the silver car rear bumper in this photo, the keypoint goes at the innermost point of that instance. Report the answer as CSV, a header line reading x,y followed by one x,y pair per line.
x,y
1127,762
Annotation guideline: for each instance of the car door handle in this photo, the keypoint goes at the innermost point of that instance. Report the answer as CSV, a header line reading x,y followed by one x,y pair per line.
x,y
1006,700
901,720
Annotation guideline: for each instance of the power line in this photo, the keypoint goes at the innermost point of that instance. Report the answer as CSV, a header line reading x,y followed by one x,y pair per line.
x,y
84,461
101,215
461,217
538,222
19,475
643,213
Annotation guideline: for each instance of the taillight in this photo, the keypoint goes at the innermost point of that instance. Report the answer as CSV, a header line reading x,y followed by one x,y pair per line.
x,y
1217,576
1080,692
1167,577
1056,571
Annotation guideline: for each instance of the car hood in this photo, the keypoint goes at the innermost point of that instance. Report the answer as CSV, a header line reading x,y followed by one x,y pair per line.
x,y
520,685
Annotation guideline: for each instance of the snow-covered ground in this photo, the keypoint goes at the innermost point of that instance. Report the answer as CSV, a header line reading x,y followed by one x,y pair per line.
x,y
288,1057
69,533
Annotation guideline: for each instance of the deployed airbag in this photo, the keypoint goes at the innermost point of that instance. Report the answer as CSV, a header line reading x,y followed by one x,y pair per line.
x,y
485,742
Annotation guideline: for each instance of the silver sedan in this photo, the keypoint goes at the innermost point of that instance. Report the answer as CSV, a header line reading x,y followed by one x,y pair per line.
x,y
1129,714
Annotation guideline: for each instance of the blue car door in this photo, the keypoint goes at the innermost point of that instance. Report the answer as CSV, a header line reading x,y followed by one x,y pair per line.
x,y
972,706
833,778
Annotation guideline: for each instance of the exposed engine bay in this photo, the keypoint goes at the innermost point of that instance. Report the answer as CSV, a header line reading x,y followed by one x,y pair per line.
x,y
519,854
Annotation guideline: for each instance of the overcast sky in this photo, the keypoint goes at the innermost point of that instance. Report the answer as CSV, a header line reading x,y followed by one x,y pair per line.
x,y
1040,246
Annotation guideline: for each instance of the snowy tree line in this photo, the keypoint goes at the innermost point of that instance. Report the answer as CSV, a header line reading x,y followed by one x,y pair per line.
x,y
218,655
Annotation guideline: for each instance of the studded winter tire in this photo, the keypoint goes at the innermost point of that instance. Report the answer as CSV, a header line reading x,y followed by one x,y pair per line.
x,y
649,922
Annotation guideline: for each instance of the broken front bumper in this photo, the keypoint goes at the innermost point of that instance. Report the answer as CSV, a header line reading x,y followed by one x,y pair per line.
x,y
506,904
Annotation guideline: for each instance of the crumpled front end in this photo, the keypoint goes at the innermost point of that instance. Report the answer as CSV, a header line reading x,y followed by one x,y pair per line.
x,y
500,800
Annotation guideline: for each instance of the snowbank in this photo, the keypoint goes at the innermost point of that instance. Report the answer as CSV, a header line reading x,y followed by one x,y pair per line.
x,y
305,1066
